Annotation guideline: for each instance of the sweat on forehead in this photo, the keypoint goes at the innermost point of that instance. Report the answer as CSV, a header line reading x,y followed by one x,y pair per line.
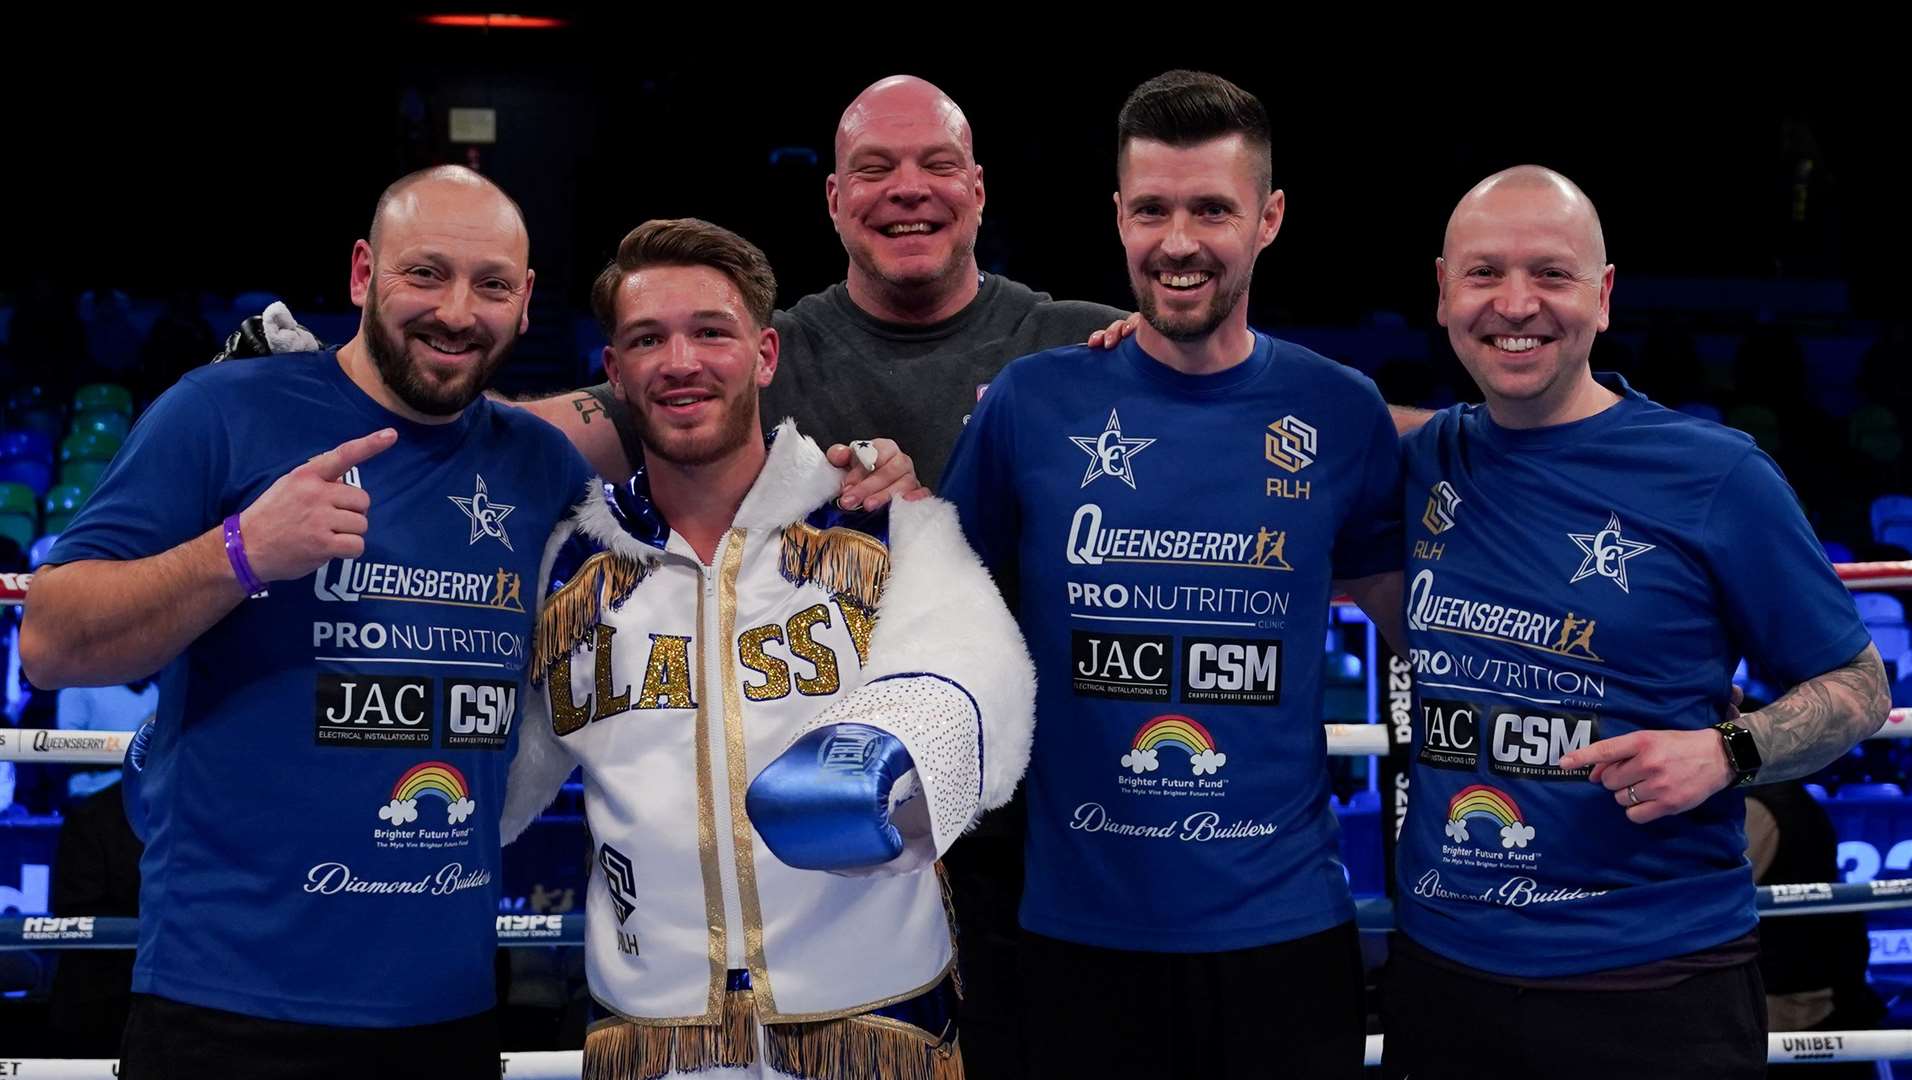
x,y
452,176
908,100
1531,184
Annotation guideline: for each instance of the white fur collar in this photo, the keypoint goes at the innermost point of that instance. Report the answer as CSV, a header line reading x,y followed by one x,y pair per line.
x,y
795,480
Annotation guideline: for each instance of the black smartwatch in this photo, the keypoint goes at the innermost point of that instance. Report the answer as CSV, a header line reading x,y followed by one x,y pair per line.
x,y
1742,753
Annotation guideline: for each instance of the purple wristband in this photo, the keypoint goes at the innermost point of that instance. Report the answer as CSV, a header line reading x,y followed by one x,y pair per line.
x,y
236,555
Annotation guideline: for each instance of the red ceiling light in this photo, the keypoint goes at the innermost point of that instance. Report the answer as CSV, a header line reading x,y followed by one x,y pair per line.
x,y
494,22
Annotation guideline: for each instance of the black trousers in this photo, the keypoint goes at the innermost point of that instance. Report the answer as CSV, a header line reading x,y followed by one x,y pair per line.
x,y
1438,1023
1292,1009
169,1040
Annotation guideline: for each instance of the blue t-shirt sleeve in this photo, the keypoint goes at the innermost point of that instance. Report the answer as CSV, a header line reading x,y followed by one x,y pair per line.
x,y
1369,541
1787,610
980,482
163,488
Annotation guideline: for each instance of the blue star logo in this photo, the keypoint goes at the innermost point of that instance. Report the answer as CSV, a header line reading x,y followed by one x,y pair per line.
x,y
487,517
1607,553
1110,453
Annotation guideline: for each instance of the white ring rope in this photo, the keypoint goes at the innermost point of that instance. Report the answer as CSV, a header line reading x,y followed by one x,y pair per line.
x,y
1372,914
1782,1048
62,747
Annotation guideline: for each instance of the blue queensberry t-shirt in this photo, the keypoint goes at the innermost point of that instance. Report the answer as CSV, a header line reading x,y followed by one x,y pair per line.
x,y
1170,540
328,763
1569,584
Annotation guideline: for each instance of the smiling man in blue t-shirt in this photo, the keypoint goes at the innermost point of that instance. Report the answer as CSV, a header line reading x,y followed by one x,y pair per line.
x,y
1174,517
322,787
1585,570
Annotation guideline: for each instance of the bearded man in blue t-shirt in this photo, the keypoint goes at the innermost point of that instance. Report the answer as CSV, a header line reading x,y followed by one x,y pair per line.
x,y
324,556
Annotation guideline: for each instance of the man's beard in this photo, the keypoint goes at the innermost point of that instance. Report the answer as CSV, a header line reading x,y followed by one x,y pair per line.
x,y
408,380
1192,326
682,448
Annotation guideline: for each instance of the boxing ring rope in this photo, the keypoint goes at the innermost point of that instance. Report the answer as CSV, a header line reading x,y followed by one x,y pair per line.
x,y
1782,1048
55,746
1372,915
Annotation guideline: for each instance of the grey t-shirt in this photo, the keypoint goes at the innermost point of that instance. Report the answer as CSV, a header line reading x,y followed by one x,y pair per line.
x,y
845,375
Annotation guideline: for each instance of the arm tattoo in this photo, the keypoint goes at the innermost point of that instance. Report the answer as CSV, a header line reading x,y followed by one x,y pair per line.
x,y
587,406
1821,718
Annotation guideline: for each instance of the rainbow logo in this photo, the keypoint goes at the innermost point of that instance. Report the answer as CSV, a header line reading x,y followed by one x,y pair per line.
x,y
434,778
1181,732
1477,802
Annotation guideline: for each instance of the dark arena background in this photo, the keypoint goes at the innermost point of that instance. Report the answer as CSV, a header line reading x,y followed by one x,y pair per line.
x,y
165,181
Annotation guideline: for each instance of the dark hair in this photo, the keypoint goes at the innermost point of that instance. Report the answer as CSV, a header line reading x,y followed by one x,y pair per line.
x,y
1184,108
687,242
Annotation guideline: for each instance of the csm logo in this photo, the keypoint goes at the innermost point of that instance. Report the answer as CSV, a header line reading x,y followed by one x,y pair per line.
x,y
1231,671
478,714
373,710
1531,746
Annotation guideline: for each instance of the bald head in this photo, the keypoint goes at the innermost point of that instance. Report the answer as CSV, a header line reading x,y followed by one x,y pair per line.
x,y
906,198
903,102
1530,189
1524,288
450,190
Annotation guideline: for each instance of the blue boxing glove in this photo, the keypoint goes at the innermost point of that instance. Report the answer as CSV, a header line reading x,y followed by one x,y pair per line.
x,y
827,802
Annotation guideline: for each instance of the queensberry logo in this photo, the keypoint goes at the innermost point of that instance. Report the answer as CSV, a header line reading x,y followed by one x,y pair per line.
x,y
1092,545
351,580
1430,610
47,742
57,928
